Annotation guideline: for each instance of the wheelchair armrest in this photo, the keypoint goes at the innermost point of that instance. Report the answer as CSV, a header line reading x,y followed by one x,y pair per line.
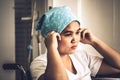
x,y
117,75
107,77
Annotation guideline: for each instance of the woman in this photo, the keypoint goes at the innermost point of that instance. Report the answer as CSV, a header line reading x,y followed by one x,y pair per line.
x,y
65,61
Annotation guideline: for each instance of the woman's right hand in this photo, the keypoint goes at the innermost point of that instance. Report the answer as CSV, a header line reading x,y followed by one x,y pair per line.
x,y
51,40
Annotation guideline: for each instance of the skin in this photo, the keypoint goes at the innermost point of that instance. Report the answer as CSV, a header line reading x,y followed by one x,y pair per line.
x,y
59,46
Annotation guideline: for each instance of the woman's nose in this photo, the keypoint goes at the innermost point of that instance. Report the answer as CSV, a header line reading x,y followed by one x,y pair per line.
x,y
74,39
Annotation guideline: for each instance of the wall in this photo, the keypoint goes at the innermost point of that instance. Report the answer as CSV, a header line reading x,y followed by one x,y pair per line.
x,y
102,17
7,38
116,24
71,3
42,7
38,43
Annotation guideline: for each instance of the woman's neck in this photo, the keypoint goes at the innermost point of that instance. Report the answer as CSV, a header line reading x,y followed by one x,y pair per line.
x,y
68,63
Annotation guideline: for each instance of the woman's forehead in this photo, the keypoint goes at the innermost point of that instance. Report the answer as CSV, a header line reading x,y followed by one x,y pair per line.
x,y
72,26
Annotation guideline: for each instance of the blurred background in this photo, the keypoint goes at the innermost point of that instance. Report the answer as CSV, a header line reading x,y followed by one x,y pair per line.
x,y
20,43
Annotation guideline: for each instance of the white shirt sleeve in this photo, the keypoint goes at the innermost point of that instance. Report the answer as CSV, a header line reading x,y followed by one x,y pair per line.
x,y
94,64
38,66
88,61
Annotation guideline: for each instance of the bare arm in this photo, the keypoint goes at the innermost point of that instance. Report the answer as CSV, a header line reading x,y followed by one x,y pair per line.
x,y
111,56
111,62
106,69
55,69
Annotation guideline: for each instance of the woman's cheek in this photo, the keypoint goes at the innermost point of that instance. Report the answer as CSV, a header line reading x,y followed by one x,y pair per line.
x,y
64,42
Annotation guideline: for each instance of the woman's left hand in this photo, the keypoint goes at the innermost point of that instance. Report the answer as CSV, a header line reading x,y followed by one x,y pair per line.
x,y
86,36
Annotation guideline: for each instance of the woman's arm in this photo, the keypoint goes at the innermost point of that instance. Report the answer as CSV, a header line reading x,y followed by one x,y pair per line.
x,y
111,56
106,69
111,61
55,69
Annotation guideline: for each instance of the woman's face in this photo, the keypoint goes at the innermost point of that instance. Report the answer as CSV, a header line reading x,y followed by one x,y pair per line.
x,y
70,37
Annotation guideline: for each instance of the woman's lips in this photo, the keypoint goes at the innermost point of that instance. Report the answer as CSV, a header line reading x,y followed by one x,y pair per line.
x,y
74,47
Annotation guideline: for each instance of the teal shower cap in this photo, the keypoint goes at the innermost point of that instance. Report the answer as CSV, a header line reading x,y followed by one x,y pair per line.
x,y
56,19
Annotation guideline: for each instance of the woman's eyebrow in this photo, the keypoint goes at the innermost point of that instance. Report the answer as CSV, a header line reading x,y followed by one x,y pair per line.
x,y
67,31
79,29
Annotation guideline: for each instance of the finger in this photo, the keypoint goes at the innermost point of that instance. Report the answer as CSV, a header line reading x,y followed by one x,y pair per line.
x,y
50,33
83,32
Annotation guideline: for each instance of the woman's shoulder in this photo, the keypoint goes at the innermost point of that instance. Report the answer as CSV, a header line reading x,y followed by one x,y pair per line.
x,y
39,61
38,66
41,57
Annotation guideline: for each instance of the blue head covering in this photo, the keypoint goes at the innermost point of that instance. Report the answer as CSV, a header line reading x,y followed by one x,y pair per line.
x,y
56,19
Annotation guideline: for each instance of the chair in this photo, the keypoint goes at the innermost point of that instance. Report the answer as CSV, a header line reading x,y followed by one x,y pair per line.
x,y
107,77
25,75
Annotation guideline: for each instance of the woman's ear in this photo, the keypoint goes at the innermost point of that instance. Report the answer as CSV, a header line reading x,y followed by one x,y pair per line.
x,y
58,37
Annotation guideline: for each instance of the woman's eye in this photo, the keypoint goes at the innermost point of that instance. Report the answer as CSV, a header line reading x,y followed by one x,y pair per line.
x,y
67,34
